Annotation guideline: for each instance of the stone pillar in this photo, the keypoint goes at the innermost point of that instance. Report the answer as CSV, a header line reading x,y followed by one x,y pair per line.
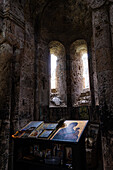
x,y
76,73
43,78
5,83
61,76
68,80
26,96
102,45
104,67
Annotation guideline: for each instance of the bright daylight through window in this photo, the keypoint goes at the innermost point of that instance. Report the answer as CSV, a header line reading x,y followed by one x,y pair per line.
x,y
53,71
85,70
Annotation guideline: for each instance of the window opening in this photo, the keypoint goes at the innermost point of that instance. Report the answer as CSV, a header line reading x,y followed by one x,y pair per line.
x,y
53,71
85,71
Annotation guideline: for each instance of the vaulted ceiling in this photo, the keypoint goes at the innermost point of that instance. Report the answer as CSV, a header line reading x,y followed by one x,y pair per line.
x,y
62,20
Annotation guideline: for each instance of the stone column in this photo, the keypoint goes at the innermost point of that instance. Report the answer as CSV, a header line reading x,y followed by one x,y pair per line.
x,y
61,75
76,72
68,79
5,83
104,65
26,96
43,78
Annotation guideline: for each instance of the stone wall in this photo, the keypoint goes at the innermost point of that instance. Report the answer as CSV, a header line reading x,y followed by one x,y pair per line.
x,y
26,96
16,75
66,113
70,113
5,79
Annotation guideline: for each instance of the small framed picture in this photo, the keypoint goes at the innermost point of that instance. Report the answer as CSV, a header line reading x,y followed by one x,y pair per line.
x,y
34,134
32,125
45,134
25,135
50,126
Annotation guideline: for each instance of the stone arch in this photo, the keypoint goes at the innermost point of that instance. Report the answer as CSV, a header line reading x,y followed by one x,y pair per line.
x,y
58,50
77,49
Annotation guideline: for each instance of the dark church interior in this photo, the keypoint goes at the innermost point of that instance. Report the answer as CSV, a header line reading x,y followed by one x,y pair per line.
x,y
56,67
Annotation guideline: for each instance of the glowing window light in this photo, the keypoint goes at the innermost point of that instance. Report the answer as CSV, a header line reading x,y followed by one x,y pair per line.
x,y
53,71
85,70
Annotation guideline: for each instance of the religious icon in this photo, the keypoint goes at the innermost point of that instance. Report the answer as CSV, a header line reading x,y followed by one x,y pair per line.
x,y
45,134
70,131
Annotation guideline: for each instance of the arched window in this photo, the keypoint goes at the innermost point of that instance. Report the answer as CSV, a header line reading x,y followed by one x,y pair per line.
x,y
58,95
